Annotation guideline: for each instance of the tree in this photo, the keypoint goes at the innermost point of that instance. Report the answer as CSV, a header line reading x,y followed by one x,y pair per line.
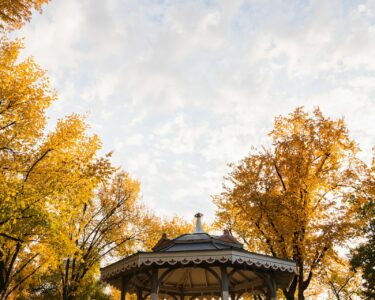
x,y
363,257
38,169
108,224
104,225
111,224
294,199
15,13
342,282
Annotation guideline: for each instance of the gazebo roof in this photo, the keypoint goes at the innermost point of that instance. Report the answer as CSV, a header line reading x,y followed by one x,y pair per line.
x,y
192,262
199,240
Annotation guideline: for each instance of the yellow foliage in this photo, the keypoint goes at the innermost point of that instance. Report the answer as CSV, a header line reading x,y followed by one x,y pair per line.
x,y
341,281
95,225
40,172
15,13
155,226
295,199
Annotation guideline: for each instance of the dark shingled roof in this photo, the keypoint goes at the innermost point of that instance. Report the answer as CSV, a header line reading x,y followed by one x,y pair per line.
x,y
197,241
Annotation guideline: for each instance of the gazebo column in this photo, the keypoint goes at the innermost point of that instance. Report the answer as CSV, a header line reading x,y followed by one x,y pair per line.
x,y
271,294
271,286
139,294
154,284
124,287
271,290
224,283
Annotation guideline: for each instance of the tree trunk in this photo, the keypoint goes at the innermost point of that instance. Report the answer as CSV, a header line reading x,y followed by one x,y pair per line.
x,y
301,288
289,294
65,281
3,281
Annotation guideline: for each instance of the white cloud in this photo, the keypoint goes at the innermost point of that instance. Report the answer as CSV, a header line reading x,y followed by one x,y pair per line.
x,y
180,88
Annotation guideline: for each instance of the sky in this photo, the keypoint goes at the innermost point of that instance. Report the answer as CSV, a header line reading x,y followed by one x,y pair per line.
x,y
178,89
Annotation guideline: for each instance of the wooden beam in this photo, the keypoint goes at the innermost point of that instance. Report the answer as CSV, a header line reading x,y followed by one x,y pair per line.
x,y
248,285
190,278
244,276
186,277
206,277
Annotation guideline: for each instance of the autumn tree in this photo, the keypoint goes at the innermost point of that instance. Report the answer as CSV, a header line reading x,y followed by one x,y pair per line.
x,y
338,280
293,200
110,225
37,168
15,13
105,224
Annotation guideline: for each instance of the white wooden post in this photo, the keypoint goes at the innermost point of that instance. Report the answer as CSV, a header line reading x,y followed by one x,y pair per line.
x,y
154,284
224,284
271,286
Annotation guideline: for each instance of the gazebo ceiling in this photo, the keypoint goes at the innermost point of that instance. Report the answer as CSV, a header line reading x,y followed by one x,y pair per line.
x,y
196,281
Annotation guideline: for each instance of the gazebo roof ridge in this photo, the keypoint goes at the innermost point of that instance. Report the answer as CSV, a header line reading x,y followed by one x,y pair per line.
x,y
198,240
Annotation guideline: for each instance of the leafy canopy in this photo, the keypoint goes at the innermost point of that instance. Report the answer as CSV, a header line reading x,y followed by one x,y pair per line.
x,y
15,13
39,170
294,199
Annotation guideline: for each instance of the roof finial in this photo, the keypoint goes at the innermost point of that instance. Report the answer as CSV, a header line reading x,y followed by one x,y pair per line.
x,y
199,228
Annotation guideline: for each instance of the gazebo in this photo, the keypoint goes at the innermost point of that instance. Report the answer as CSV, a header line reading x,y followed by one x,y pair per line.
x,y
199,265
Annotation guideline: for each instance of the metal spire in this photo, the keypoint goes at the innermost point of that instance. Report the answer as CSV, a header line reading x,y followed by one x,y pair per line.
x,y
199,228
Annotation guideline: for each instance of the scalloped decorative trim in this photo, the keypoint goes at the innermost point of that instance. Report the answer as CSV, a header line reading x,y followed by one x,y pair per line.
x,y
146,259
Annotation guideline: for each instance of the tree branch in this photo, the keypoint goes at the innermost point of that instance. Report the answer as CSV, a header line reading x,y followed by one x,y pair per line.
x,y
22,281
11,237
280,177
35,163
8,125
